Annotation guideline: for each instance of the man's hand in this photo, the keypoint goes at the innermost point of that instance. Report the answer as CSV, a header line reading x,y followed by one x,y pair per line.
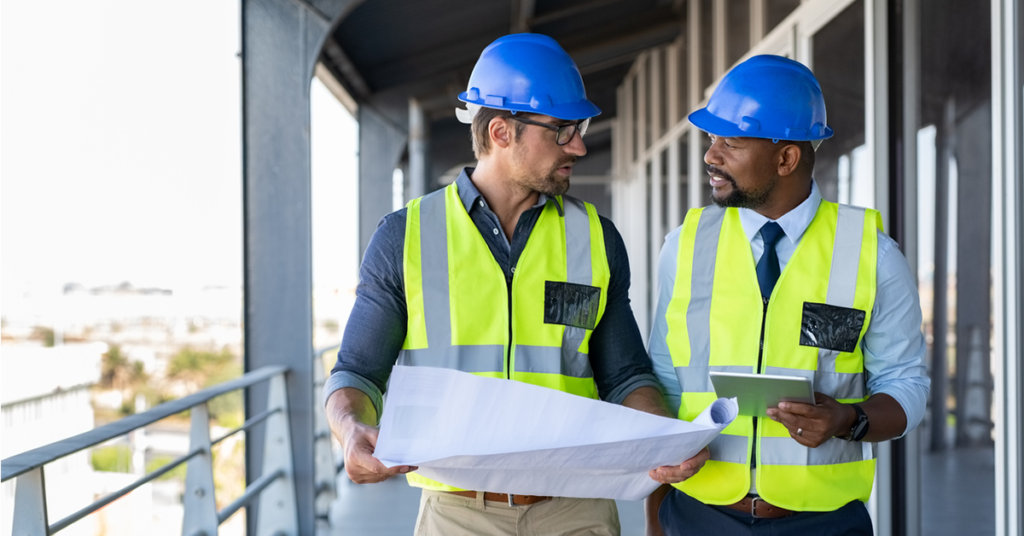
x,y
649,400
348,412
359,443
671,474
813,425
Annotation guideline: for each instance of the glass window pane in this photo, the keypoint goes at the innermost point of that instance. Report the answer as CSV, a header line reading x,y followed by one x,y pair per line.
x,y
700,174
737,24
684,175
634,127
776,11
664,121
707,40
954,273
663,224
838,52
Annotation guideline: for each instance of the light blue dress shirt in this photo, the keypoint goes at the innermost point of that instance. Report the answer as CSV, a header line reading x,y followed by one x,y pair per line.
x,y
893,345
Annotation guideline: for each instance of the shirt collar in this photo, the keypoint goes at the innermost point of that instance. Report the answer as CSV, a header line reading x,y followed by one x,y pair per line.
x,y
793,223
470,195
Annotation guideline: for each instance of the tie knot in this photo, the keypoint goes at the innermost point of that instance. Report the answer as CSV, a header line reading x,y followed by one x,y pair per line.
x,y
771,232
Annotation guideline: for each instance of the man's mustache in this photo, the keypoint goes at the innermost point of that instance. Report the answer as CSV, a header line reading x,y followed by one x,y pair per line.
x,y
567,162
716,171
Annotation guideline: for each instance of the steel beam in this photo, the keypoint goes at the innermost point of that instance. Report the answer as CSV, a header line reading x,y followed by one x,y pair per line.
x,y
381,145
419,142
281,42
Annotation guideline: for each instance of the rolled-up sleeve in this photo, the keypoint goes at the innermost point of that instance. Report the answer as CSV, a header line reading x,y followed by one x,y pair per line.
x,y
617,352
376,327
894,345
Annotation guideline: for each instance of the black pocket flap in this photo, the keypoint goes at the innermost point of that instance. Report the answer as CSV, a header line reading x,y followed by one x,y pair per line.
x,y
830,327
570,304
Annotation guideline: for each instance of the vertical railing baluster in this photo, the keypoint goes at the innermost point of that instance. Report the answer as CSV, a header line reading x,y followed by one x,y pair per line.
x,y
323,466
30,505
277,512
199,501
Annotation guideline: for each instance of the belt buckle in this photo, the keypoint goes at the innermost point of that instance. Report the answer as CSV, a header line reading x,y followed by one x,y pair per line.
x,y
511,500
753,506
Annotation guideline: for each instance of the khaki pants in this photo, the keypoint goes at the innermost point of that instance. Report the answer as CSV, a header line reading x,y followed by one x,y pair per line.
x,y
444,514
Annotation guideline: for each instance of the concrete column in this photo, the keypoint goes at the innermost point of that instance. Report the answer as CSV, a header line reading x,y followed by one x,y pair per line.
x,y
419,133
381,144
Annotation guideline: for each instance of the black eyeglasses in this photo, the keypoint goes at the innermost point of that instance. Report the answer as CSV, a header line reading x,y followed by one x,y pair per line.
x,y
563,133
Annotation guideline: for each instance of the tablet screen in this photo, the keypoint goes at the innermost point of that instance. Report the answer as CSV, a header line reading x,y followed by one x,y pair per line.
x,y
755,393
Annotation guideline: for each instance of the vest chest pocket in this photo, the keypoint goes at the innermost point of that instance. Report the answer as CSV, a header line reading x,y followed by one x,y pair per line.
x,y
830,327
570,304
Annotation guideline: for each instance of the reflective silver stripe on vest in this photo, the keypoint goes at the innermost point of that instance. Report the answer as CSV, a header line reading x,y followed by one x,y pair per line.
x,y
491,358
842,289
697,380
729,448
786,451
437,302
434,264
551,360
693,378
702,282
481,358
578,271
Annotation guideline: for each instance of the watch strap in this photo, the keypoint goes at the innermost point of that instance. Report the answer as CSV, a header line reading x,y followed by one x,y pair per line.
x,y
860,426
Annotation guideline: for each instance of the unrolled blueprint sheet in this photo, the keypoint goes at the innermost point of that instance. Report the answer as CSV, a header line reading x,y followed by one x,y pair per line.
x,y
509,437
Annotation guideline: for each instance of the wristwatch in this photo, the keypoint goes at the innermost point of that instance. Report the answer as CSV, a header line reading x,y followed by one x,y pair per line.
x,y
860,426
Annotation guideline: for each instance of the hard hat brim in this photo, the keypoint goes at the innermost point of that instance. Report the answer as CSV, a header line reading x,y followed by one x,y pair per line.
x,y
712,124
570,111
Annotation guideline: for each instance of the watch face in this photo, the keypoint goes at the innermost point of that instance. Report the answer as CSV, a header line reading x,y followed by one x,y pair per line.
x,y
860,428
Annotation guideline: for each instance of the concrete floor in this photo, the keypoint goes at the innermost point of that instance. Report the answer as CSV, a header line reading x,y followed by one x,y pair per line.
x,y
958,487
959,492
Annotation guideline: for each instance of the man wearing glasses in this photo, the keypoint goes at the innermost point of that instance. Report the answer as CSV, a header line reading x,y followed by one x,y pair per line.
x,y
500,275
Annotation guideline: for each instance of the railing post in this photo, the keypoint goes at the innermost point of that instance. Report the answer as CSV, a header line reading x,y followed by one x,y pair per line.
x,y
277,512
323,466
30,505
199,501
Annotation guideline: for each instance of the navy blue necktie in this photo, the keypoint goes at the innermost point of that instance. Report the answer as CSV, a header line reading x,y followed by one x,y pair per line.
x,y
768,266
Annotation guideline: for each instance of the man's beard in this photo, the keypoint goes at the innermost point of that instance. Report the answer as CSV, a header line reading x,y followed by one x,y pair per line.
x,y
739,198
553,184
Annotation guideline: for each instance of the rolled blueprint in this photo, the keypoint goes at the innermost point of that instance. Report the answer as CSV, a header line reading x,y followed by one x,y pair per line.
x,y
489,434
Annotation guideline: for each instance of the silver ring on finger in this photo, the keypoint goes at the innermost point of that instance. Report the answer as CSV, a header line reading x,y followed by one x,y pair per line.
x,y
800,431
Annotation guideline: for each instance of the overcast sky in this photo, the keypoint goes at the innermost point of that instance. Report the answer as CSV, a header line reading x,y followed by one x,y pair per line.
x,y
120,156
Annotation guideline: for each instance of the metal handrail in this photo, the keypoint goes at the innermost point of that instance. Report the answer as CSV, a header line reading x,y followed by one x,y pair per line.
x,y
64,523
251,493
324,457
249,423
26,461
29,465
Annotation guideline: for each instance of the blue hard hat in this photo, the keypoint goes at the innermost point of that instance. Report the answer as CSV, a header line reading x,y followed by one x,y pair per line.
x,y
528,73
766,97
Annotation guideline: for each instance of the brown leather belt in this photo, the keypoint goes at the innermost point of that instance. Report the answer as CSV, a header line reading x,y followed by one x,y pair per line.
x,y
512,500
759,507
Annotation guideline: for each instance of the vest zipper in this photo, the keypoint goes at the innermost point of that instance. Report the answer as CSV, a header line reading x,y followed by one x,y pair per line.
x,y
760,356
508,351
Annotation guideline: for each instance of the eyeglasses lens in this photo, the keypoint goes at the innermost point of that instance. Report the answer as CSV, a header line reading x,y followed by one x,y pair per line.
x,y
566,132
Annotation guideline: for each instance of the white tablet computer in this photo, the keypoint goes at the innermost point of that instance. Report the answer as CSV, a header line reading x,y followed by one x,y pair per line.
x,y
755,393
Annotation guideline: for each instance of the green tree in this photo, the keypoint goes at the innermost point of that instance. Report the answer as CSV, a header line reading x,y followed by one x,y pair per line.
x,y
124,375
112,459
44,334
120,373
200,369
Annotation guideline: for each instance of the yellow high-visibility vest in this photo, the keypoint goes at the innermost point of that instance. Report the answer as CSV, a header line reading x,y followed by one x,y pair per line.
x,y
458,300
715,323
